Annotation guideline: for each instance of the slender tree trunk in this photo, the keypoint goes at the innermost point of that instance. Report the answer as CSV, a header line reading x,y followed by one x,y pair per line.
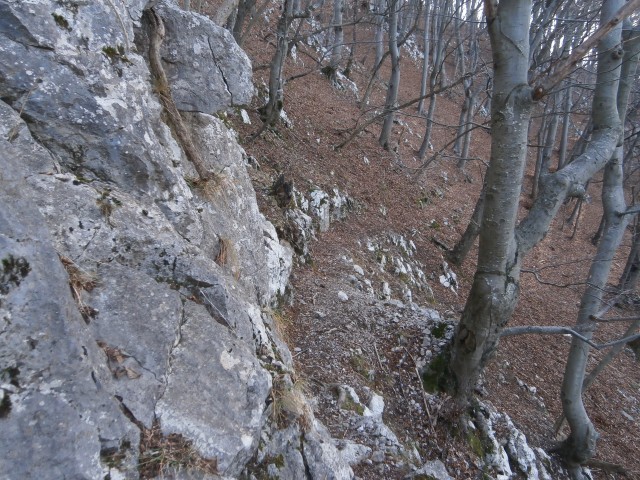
x,y
629,278
271,111
458,254
538,168
379,38
466,142
425,53
465,128
495,287
566,119
438,62
394,81
581,444
244,9
547,150
462,66
354,41
338,40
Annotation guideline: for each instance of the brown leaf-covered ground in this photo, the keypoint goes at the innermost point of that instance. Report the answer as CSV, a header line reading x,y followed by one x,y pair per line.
x,y
339,342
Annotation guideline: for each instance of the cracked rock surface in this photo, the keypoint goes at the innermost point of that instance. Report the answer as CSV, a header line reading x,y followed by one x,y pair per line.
x,y
132,300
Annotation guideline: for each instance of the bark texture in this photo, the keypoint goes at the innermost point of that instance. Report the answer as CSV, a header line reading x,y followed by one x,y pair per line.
x,y
503,242
495,287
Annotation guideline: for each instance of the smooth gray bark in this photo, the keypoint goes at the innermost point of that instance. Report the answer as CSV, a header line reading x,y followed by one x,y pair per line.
x,y
495,289
379,37
425,53
581,444
548,138
338,39
460,251
354,40
440,9
631,273
502,247
566,121
463,140
394,81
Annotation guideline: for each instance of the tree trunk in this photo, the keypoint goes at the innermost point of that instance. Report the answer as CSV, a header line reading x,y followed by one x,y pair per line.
x,y
629,278
338,40
425,53
502,246
566,119
394,81
538,168
438,62
354,41
547,150
379,38
270,112
581,444
494,291
458,254
244,9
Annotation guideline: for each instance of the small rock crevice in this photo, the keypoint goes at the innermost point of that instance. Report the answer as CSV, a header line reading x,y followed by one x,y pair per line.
x,y
217,64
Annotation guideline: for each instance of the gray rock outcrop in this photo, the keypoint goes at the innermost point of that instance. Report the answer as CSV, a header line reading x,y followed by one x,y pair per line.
x,y
134,302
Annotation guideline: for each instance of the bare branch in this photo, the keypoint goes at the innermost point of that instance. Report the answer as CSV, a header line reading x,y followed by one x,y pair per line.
x,y
567,66
508,332
386,112
630,211
536,274
614,319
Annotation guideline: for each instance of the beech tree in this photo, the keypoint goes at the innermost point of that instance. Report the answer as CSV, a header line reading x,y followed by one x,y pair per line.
x,y
581,444
503,241
338,40
394,81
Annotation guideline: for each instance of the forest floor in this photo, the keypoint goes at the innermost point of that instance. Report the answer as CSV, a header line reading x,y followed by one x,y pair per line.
x,y
353,342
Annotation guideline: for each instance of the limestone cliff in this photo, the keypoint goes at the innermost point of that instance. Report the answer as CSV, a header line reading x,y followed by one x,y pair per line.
x,y
134,300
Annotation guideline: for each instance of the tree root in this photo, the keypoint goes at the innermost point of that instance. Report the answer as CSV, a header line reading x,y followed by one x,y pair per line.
x,y
156,34
607,467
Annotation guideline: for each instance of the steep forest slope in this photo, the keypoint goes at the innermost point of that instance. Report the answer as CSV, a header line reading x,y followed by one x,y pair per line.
x,y
404,213
136,334
180,298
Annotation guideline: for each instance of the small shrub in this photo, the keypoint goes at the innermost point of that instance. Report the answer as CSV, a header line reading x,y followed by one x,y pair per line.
x,y
290,404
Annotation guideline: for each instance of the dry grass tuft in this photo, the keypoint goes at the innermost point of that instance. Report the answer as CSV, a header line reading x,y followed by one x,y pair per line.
x,y
227,257
80,280
282,325
212,187
159,454
290,403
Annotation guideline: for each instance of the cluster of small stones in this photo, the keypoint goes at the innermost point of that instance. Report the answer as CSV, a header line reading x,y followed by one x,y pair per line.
x,y
396,255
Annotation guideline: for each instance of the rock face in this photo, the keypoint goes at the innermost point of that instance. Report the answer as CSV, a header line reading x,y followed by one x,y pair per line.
x,y
132,300
200,63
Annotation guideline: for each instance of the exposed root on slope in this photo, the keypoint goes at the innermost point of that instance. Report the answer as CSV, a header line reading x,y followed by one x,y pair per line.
x,y
156,34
